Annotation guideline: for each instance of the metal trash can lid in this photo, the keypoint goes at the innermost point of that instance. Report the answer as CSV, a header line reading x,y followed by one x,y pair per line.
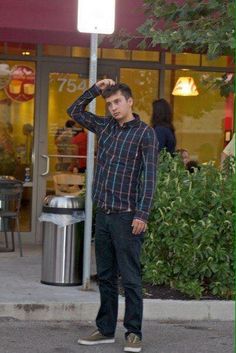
x,y
62,204
8,179
4,179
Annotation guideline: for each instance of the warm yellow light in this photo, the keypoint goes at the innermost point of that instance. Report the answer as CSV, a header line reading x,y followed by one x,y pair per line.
x,y
26,52
96,16
185,86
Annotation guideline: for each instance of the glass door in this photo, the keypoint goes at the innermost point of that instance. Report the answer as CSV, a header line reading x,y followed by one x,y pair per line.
x,y
67,140
62,142
63,132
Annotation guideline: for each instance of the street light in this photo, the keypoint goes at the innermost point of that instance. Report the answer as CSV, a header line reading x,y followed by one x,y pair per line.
x,y
94,16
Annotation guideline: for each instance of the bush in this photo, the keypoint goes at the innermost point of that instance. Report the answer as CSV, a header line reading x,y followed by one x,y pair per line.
x,y
189,243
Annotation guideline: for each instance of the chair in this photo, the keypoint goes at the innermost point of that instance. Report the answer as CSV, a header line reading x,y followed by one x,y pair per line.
x,y
10,202
69,184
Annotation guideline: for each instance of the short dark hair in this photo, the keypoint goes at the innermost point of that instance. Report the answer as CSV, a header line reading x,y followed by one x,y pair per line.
x,y
122,87
69,123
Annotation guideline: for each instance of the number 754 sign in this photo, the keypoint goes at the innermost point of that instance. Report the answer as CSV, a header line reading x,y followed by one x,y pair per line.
x,y
71,85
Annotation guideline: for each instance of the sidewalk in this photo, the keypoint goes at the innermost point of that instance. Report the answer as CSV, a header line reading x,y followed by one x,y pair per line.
x,y
23,297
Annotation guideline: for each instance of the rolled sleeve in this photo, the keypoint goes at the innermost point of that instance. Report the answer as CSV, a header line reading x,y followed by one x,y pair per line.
x,y
77,111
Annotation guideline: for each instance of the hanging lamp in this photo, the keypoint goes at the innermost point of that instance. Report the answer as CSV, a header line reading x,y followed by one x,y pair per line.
x,y
185,86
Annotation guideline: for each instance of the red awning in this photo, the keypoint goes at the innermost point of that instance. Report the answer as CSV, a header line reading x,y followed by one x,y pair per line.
x,y
55,21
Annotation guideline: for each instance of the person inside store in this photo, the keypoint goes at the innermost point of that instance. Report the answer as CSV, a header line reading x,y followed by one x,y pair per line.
x,y
63,141
229,150
162,122
124,185
80,141
190,164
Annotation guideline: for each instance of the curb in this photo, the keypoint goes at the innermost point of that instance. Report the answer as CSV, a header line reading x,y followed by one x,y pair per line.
x,y
154,309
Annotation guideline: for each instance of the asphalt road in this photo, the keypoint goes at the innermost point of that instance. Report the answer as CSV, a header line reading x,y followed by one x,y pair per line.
x,y
159,337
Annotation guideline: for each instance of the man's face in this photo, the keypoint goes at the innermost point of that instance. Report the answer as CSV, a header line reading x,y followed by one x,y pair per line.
x,y
119,107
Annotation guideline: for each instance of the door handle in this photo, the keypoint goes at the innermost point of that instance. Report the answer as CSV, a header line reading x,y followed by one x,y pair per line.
x,y
47,164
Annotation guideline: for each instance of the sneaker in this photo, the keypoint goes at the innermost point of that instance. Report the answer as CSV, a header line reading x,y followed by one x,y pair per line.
x,y
133,343
96,338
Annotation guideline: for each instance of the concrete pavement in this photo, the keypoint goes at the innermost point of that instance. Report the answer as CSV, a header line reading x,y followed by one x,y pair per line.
x,y
158,337
23,297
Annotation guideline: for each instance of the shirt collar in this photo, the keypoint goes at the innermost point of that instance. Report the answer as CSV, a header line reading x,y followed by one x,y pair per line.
x,y
131,123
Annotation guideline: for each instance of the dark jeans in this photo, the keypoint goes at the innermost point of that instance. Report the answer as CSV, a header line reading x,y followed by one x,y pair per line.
x,y
118,252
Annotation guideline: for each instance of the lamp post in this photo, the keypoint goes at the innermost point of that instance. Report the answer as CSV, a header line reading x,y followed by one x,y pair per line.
x,y
94,17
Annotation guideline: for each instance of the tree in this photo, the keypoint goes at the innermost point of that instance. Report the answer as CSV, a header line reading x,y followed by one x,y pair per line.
x,y
196,26
199,26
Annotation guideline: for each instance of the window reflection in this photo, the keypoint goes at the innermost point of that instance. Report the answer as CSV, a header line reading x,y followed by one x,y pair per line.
x,y
17,88
199,121
144,85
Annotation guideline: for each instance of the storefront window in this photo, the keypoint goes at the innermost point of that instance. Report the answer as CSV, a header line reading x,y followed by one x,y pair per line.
x,y
199,120
25,49
17,89
183,59
144,55
117,54
195,60
56,50
80,52
104,53
219,62
135,55
144,85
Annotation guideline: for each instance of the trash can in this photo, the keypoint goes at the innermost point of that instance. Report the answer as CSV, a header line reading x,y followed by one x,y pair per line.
x,y
63,232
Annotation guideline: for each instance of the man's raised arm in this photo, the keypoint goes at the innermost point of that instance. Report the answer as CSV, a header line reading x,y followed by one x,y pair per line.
x,y
77,110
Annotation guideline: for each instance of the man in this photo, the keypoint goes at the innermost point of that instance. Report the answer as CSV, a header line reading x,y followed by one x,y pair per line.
x,y
124,184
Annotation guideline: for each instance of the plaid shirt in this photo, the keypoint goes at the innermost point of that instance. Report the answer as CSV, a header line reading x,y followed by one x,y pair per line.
x,y
126,159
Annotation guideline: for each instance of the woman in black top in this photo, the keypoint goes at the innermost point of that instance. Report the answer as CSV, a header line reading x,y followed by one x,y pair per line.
x,y
162,123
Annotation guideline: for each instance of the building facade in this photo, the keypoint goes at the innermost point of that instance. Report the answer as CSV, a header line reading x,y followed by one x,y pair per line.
x,y
44,66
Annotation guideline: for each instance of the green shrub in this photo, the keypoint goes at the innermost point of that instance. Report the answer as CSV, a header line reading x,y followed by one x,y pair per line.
x,y
189,244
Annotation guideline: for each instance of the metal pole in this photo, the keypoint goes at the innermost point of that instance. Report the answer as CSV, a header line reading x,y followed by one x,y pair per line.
x,y
90,168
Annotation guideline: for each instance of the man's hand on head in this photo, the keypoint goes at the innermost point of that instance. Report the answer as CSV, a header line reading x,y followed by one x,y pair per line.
x,y
138,226
103,84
